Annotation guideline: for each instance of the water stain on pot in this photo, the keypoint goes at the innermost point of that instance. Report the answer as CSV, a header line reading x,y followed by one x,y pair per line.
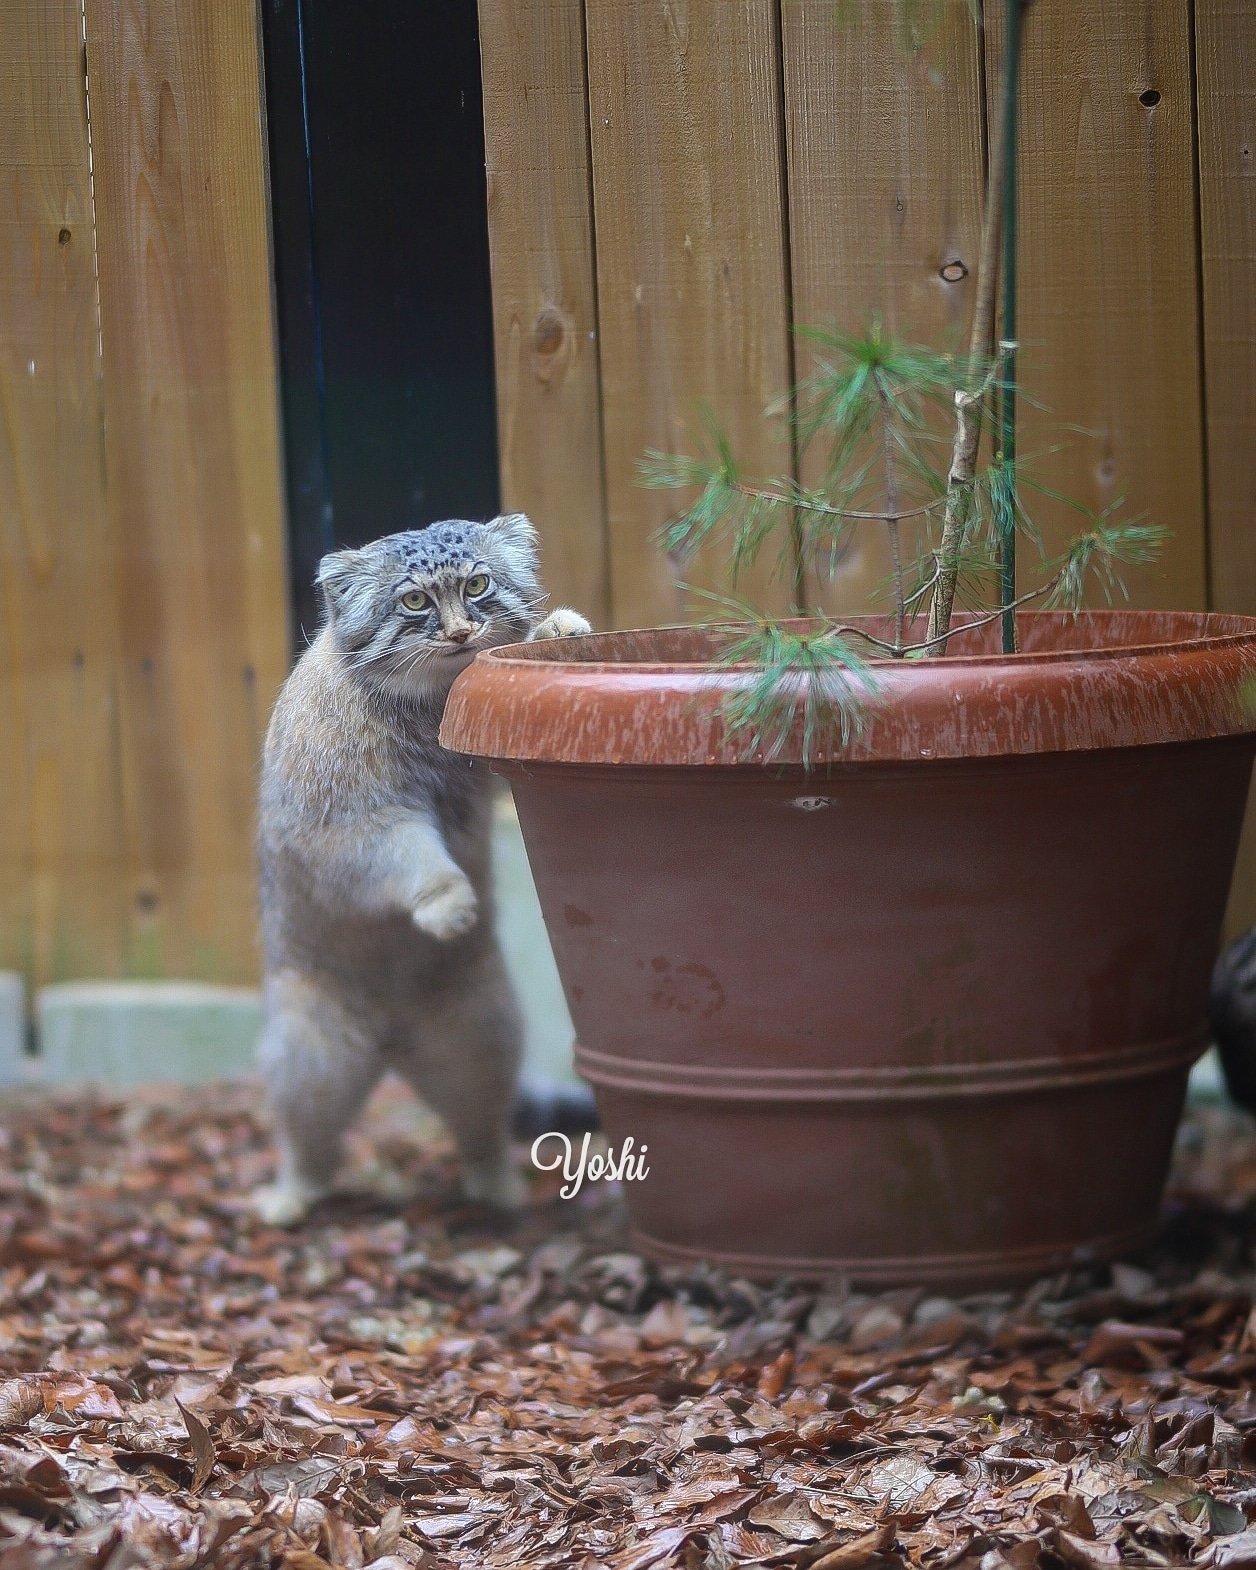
x,y
688,989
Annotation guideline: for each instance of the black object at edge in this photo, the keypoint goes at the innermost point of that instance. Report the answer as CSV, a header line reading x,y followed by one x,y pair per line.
x,y
383,301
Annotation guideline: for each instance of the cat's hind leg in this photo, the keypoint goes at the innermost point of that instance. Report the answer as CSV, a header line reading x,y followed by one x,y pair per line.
x,y
320,1065
461,1053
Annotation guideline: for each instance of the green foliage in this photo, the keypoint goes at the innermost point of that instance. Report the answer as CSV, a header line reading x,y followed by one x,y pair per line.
x,y
817,679
1099,554
871,403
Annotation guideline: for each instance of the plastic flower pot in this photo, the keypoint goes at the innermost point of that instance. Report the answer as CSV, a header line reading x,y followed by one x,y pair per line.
x,y
924,1011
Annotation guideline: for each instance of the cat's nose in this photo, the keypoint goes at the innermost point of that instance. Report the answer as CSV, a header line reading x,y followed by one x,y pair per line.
x,y
458,634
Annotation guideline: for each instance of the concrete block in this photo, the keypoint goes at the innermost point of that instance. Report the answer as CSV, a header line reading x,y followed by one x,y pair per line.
x,y
135,1032
14,1062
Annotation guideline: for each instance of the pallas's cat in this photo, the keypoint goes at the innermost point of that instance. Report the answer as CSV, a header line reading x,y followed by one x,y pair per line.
x,y
376,894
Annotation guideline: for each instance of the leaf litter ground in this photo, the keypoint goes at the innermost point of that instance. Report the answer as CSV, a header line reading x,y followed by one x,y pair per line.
x,y
184,1386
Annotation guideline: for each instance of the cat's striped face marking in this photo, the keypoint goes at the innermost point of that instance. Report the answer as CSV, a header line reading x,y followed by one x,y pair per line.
x,y
411,610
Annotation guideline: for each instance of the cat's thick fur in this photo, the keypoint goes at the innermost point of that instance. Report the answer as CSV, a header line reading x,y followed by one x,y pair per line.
x,y
376,888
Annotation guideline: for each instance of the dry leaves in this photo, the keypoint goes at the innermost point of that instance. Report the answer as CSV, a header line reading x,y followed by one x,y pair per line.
x,y
182,1386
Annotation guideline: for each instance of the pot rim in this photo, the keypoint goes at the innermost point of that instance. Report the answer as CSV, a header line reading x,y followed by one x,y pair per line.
x,y
555,652
1180,679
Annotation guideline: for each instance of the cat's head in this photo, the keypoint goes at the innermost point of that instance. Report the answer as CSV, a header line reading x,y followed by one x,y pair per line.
x,y
408,612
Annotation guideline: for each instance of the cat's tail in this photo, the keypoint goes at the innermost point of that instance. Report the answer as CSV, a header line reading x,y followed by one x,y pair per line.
x,y
551,1106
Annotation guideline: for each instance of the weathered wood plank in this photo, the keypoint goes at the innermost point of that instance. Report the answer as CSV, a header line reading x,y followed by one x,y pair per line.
x,y
1108,278
1226,64
1225,55
191,461
60,904
885,171
540,208
685,122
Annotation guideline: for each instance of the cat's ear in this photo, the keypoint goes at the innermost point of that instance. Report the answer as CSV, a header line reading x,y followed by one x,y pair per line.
x,y
515,530
338,575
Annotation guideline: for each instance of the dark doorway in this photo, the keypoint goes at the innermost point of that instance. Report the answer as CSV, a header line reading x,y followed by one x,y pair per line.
x,y
382,274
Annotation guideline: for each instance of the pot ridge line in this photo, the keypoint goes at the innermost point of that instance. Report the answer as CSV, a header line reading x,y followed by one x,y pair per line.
x,y
993,1264
1143,1060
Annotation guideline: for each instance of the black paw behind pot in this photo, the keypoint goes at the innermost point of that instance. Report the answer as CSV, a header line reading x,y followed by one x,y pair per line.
x,y
1232,1014
549,1108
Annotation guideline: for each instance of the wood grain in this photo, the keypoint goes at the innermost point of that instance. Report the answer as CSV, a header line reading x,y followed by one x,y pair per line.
x,y
885,171
191,457
540,208
1109,325
1226,64
1225,56
685,121
60,903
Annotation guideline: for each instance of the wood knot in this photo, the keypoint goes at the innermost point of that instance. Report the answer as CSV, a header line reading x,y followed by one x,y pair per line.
x,y
549,330
1149,98
953,271
549,335
63,237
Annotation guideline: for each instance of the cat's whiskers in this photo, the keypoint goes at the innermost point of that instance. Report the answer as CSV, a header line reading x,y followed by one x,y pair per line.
x,y
399,678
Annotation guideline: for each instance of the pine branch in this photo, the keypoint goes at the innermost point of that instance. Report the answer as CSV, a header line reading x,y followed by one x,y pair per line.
x,y
808,502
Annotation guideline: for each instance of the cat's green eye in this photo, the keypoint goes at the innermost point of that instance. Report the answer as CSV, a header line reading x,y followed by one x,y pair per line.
x,y
416,600
476,584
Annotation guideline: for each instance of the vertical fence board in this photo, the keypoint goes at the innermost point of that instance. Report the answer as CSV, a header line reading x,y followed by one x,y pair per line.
x,y
540,197
1108,278
1226,96
885,164
1226,63
684,102
59,903
191,460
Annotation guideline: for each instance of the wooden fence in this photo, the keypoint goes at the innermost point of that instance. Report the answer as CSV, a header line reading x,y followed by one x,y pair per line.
x,y
674,183
142,591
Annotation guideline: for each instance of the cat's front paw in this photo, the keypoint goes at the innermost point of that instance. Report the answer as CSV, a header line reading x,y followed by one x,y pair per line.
x,y
562,623
446,909
285,1204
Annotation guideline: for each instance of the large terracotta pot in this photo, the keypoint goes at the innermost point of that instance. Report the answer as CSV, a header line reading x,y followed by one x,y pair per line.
x,y
923,1013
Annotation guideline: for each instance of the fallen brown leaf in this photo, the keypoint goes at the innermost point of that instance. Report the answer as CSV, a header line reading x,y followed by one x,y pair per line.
x,y
203,1453
860,1551
1084,1552
418,1387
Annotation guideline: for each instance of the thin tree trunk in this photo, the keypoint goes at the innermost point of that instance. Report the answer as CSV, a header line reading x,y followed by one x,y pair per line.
x,y
969,398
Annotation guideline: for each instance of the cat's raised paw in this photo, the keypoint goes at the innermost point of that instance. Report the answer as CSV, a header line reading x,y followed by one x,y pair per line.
x,y
446,910
562,623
